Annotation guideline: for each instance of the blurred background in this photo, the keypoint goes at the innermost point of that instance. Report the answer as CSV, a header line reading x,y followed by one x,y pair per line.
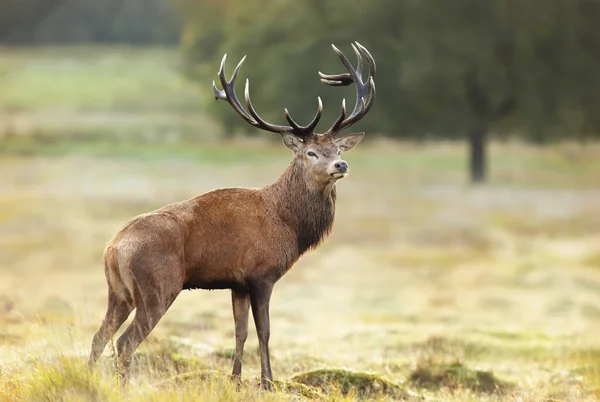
x,y
469,228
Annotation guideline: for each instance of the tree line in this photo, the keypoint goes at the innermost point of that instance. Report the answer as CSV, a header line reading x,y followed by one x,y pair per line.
x,y
87,21
446,69
460,69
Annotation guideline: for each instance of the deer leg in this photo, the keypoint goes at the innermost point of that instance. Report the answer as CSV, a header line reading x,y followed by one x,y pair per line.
x,y
260,297
241,307
148,313
117,312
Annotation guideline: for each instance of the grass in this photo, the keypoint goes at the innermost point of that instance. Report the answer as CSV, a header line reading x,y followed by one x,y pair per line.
x,y
346,381
456,376
428,288
89,91
439,295
81,78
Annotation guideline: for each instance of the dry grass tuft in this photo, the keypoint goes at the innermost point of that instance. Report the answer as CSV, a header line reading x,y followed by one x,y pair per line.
x,y
457,376
65,378
439,366
350,382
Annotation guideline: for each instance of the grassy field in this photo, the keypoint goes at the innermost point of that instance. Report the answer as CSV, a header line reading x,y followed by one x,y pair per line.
x,y
428,289
82,92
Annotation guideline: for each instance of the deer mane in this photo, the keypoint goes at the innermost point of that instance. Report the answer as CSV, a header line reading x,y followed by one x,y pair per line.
x,y
307,208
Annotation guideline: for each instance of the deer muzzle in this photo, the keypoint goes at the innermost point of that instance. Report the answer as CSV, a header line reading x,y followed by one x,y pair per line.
x,y
338,169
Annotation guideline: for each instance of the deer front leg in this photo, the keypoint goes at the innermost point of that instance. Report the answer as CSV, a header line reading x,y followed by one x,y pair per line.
x,y
260,296
241,305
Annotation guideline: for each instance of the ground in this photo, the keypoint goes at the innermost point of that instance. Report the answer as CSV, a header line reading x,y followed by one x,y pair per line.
x,y
428,288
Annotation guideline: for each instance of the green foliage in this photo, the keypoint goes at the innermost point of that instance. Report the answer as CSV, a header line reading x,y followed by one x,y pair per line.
x,y
77,21
443,67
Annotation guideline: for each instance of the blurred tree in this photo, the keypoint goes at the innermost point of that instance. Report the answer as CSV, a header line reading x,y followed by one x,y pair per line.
x,y
468,67
75,21
460,69
21,17
286,47
465,69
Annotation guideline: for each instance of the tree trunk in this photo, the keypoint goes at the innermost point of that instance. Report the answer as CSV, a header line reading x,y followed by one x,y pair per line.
x,y
478,156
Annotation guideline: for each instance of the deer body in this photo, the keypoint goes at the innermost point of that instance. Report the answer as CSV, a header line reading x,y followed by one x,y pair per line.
x,y
233,238
225,238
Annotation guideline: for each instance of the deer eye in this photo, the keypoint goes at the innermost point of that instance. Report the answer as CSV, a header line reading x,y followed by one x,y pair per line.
x,y
312,154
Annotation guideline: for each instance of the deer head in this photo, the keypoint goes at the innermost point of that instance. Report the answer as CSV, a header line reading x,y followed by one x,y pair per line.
x,y
319,153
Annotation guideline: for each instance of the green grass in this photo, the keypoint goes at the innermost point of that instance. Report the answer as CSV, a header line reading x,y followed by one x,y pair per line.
x,y
128,146
442,293
426,163
83,78
350,382
83,92
428,288
455,375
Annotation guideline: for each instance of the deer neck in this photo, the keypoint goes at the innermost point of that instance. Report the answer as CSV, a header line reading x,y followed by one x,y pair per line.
x,y
307,207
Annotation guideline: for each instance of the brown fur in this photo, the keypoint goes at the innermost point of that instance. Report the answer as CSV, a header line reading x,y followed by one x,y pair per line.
x,y
233,238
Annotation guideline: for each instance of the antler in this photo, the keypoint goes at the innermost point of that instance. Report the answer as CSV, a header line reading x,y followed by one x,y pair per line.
x,y
365,91
228,94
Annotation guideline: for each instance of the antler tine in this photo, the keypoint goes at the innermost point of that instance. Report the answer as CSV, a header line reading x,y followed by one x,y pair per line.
x,y
311,126
236,71
339,120
372,96
295,125
220,94
365,91
336,79
343,79
370,59
260,123
359,63
356,77
228,94
365,106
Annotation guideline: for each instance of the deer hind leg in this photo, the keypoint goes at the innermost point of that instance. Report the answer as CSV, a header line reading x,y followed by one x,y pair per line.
x,y
260,296
241,306
150,308
117,312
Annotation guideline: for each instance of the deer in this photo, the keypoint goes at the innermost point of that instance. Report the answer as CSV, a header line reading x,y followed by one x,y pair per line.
x,y
240,239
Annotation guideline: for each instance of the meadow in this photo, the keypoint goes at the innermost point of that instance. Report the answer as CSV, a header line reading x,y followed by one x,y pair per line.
x,y
428,288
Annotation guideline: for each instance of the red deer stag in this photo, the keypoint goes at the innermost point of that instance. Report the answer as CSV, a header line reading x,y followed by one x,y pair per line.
x,y
233,238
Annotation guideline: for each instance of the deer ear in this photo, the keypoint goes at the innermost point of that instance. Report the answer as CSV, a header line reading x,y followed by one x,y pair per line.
x,y
291,141
347,142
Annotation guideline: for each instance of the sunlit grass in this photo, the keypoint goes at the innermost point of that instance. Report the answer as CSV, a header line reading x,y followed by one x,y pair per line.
x,y
440,290
438,367
428,289
85,78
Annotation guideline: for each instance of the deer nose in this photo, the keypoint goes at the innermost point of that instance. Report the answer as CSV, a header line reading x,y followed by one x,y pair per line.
x,y
341,166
